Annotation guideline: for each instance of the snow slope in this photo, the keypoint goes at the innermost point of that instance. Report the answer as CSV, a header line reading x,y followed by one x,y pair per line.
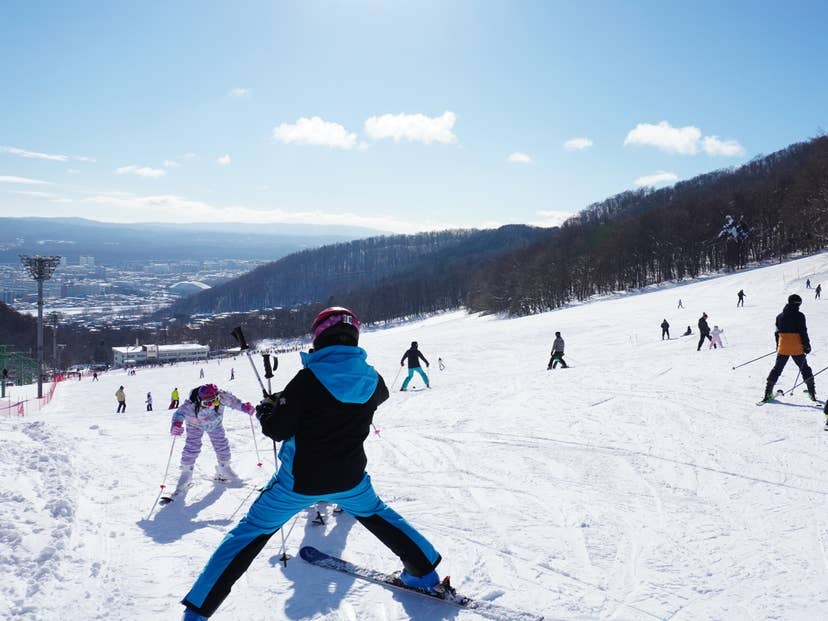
x,y
642,483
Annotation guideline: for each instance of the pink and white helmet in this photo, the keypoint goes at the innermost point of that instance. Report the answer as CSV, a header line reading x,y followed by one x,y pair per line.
x,y
208,392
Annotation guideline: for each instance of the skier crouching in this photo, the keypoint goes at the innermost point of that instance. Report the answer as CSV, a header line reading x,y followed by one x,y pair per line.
x,y
204,412
322,418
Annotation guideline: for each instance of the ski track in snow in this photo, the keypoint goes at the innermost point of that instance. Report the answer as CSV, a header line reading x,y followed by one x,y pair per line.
x,y
641,483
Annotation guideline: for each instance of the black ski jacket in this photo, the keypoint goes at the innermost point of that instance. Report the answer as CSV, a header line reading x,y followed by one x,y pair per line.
x,y
704,329
326,434
413,355
791,322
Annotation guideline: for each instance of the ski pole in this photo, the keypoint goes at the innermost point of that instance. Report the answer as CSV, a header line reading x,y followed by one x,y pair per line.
x,y
163,479
805,380
395,377
239,336
797,378
268,375
754,360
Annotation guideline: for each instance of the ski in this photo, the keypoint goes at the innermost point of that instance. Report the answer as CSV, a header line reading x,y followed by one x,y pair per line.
x,y
445,592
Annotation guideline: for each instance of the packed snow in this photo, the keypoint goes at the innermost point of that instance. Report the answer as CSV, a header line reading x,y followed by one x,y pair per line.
x,y
643,482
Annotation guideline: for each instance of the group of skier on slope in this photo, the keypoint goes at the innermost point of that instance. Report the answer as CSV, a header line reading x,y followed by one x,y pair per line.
x,y
791,337
321,417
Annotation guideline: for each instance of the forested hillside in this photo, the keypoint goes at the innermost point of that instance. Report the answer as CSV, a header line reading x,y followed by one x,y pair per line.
x,y
778,205
399,274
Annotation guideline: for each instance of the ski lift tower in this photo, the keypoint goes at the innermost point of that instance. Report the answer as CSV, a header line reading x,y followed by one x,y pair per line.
x,y
40,269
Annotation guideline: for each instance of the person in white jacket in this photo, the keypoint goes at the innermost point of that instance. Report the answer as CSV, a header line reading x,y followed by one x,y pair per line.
x,y
203,413
716,337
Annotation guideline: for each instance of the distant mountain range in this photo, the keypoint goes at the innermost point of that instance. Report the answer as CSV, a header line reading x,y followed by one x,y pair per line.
x,y
112,243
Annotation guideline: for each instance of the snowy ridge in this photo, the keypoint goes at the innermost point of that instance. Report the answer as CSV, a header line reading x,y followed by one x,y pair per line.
x,y
642,483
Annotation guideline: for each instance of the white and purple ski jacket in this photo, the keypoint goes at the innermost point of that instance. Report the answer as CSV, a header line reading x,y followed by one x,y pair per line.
x,y
207,419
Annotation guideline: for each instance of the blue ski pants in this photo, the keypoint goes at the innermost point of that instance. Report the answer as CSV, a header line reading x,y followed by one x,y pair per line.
x,y
411,374
273,508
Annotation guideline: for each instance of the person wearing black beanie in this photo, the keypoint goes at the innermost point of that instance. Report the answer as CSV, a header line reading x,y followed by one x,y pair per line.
x,y
791,342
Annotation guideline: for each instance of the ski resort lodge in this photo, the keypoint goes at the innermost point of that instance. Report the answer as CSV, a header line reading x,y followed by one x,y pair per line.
x,y
136,355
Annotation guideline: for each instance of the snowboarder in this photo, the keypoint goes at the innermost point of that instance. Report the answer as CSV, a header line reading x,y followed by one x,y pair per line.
x,y
818,292
665,330
680,305
557,353
322,418
704,330
149,402
715,338
413,355
741,301
791,341
174,399
688,331
204,412
120,395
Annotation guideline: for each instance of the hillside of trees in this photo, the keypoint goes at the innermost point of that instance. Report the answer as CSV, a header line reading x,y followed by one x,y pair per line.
x,y
635,239
414,273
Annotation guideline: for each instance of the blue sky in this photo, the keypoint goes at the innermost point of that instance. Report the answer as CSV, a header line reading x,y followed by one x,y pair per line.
x,y
402,116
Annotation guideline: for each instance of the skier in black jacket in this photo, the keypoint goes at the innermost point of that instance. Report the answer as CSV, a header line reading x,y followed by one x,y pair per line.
x,y
704,330
413,356
791,341
665,330
322,417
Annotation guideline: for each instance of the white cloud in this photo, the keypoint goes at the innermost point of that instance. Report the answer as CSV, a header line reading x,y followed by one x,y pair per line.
x,y
412,127
35,193
61,199
224,160
659,178
171,164
577,144
552,217
686,140
239,92
73,171
712,145
34,154
519,158
23,180
120,207
141,171
315,131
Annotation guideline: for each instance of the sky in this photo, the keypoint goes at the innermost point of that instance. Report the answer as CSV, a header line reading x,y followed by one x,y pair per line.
x,y
401,116
640,483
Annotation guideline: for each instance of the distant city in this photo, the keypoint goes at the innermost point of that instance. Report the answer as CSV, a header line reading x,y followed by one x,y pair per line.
x,y
89,293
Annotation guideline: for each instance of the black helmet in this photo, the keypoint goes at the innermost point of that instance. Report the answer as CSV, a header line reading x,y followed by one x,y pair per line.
x,y
414,344
794,299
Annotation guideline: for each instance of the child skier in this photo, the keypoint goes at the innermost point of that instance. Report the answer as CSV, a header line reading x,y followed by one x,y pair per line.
x,y
413,355
322,418
715,338
204,412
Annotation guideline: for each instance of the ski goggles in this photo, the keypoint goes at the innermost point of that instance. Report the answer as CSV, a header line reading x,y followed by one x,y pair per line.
x,y
210,403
